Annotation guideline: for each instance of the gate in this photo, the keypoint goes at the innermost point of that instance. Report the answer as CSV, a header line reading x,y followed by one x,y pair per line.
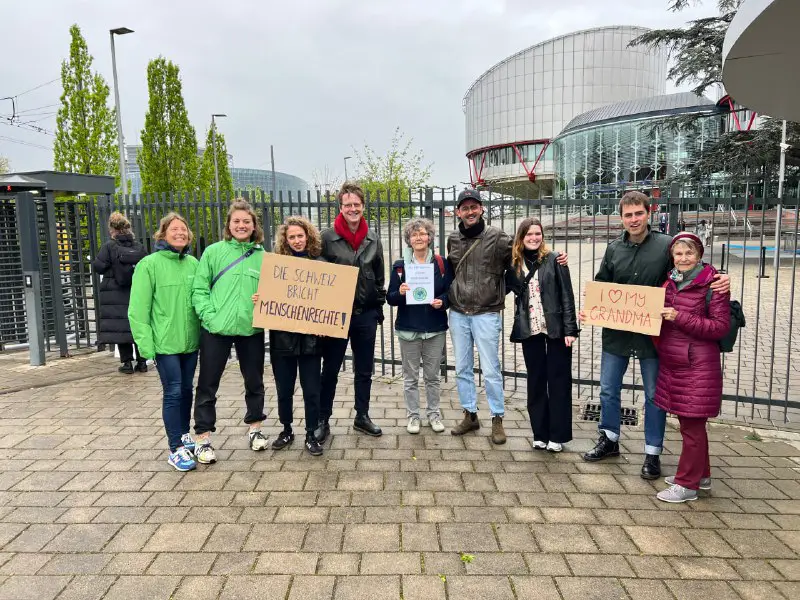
x,y
755,242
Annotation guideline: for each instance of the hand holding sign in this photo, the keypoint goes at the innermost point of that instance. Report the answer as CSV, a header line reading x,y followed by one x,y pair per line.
x,y
420,281
635,308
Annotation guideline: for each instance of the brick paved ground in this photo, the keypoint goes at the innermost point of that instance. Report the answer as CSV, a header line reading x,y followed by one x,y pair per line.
x,y
89,509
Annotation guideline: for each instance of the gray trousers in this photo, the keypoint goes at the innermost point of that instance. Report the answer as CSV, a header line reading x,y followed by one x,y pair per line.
x,y
429,352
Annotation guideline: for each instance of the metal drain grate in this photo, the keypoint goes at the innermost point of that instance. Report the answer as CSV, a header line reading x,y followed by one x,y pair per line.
x,y
591,412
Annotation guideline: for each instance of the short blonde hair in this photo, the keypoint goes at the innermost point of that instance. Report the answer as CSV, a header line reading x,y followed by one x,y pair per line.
x,y
161,234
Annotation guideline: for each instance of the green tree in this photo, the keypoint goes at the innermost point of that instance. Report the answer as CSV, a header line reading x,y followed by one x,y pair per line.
x,y
86,130
168,158
696,53
206,178
398,175
5,167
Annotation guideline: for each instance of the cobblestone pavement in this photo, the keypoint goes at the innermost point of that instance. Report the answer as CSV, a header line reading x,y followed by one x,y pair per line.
x,y
89,509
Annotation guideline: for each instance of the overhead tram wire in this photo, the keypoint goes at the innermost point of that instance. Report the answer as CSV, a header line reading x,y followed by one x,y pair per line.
x,y
23,143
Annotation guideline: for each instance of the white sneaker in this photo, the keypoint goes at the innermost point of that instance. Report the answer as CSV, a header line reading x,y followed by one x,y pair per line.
x,y
413,425
437,425
537,445
554,447
204,452
258,441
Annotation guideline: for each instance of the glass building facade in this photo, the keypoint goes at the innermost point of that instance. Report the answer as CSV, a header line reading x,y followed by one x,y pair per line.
x,y
518,106
627,145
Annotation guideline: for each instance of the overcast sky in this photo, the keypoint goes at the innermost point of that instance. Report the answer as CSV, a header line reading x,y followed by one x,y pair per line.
x,y
313,77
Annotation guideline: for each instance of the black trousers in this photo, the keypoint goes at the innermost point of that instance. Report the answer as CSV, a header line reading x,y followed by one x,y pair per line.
x,y
285,369
363,329
126,352
214,353
549,365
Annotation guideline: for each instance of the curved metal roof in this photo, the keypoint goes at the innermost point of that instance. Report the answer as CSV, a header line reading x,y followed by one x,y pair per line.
x,y
542,43
668,104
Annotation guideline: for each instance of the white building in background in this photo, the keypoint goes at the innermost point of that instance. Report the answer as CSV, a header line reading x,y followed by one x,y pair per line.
x,y
517,107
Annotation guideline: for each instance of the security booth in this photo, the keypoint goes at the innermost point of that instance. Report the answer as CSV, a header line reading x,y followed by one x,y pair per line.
x,y
47,240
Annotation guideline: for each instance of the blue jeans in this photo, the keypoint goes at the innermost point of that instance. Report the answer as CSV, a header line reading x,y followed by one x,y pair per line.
x,y
177,376
483,331
612,369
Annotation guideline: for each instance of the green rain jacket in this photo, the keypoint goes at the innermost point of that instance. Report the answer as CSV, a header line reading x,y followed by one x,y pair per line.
x,y
160,312
227,309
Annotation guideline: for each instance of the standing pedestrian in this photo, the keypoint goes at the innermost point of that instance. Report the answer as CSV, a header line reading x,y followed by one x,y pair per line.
x,y
292,352
226,281
115,261
166,328
689,381
351,242
421,328
479,255
638,257
545,325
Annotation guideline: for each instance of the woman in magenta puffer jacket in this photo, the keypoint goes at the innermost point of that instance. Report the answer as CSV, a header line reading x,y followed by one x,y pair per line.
x,y
690,376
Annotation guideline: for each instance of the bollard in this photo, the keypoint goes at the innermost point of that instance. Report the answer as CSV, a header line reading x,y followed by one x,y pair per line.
x,y
722,260
762,259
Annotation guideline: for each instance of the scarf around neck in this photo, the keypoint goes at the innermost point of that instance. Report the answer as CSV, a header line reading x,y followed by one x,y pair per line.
x,y
473,231
354,239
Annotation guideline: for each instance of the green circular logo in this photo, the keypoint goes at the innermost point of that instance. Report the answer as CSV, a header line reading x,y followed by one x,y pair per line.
x,y
420,294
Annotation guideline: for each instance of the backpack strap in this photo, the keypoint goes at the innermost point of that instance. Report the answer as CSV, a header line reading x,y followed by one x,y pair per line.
x,y
440,262
243,257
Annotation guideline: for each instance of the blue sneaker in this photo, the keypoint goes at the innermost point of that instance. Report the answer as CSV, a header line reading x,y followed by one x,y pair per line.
x,y
188,442
181,460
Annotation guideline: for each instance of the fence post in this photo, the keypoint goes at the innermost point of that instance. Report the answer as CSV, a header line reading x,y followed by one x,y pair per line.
x,y
59,318
31,275
674,205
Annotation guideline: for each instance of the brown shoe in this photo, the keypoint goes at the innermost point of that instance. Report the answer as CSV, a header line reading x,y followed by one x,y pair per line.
x,y
498,433
470,423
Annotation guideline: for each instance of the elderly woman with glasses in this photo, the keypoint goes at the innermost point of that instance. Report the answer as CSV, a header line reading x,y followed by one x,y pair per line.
x,y
421,327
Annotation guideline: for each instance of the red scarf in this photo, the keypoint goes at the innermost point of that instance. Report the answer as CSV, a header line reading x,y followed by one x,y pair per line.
x,y
341,227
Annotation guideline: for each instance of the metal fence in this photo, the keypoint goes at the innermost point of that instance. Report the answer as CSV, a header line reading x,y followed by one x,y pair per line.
x,y
754,240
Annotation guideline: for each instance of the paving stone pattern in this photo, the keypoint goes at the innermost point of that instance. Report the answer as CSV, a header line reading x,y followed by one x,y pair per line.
x,y
89,508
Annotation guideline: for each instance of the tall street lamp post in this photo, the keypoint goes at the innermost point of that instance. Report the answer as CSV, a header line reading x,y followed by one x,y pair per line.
x,y
123,175
214,148
345,167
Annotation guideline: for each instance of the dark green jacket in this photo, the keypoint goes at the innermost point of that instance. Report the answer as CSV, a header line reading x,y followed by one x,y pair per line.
x,y
647,263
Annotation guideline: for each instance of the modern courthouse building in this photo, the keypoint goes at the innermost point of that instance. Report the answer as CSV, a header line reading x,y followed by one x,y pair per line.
x,y
577,116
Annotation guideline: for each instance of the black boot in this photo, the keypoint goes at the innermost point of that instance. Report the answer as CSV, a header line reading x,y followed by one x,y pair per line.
x,y
312,445
322,431
603,449
127,367
651,469
141,366
364,424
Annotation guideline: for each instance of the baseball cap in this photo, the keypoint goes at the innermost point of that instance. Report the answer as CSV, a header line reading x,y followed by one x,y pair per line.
x,y
469,194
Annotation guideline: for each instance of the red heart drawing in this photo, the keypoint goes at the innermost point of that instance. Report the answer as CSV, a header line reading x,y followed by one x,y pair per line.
x,y
614,295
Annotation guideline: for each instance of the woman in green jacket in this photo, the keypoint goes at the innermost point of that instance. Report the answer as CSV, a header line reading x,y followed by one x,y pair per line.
x,y
165,328
222,295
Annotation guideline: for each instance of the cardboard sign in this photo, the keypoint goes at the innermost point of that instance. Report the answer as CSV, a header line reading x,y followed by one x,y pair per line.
x,y
634,308
305,296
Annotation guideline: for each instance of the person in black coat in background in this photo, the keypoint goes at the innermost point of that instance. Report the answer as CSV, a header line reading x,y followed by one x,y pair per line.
x,y
291,352
115,262
545,324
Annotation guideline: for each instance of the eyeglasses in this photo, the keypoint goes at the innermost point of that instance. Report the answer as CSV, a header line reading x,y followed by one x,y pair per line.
x,y
419,234
349,206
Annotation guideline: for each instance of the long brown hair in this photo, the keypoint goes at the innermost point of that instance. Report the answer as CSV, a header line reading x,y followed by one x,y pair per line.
x,y
313,238
241,204
517,257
